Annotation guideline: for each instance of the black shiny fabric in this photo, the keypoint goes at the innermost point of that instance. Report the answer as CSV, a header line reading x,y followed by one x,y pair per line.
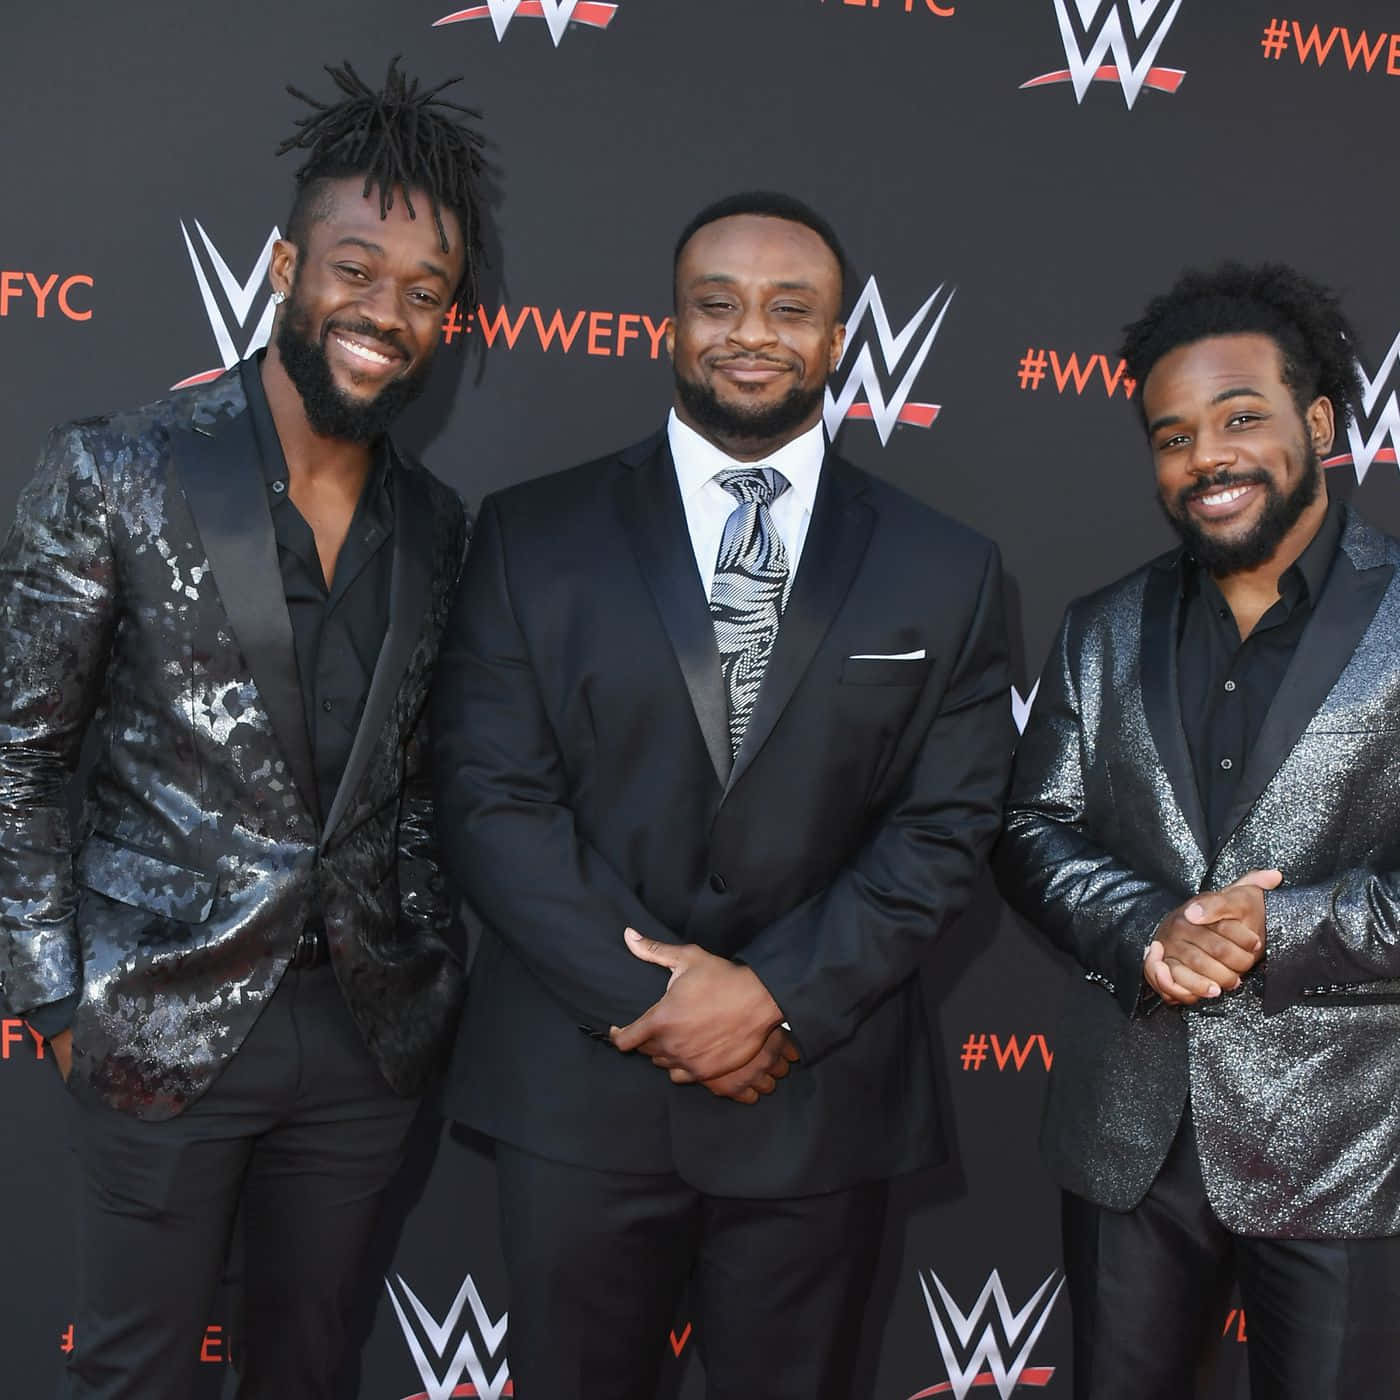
x,y
140,594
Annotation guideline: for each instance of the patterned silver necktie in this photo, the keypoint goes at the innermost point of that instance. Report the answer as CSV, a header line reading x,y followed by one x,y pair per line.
x,y
750,591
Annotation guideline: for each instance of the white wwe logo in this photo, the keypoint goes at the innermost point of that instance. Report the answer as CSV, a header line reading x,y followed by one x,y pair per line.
x,y
865,379
557,14
439,1336
1102,24
237,296
1385,425
1027,1324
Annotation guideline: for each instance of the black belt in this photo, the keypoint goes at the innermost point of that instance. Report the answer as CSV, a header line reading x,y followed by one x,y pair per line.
x,y
311,951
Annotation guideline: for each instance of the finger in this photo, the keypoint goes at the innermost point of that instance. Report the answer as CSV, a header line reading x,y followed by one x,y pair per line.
x,y
1261,879
780,1067
630,1037
665,1062
1157,976
1241,934
1194,983
665,955
764,1083
1214,956
681,1076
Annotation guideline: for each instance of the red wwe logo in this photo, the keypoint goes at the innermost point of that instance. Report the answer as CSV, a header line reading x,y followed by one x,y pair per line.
x,y
557,14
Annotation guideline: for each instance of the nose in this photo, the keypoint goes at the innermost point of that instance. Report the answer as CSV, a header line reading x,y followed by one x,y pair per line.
x,y
753,329
1210,452
381,304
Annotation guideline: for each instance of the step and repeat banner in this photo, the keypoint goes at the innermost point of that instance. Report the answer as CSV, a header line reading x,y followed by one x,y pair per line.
x,y
1013,179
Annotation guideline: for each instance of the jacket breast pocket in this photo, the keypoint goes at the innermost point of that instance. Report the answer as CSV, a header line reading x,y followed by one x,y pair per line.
x,y
873,670
144,881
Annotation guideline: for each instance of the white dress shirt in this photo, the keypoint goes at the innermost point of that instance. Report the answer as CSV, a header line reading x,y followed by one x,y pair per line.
x,y
708,505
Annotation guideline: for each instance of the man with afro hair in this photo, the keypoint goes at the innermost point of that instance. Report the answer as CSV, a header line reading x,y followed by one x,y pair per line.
x,y
1205,816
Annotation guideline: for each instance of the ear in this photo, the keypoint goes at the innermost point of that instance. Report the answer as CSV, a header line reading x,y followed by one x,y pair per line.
x,y
838,344
671,336
282,268
1321,424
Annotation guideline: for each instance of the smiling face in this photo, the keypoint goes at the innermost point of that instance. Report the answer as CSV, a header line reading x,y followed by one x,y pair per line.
x,y
1238,465
756,332
366,298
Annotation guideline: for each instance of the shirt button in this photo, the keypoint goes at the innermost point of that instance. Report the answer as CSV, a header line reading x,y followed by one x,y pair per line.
x,y
1229,685
1227,764
278,487
327,706
717,884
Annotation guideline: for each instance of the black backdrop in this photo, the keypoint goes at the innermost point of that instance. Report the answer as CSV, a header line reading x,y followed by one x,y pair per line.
x,y
139,195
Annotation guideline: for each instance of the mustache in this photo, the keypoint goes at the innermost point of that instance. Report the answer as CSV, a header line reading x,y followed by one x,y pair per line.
x,y
1221,481
369,331
743,359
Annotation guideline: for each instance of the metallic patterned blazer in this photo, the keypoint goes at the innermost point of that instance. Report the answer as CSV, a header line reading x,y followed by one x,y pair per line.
x,y
141,600
1294,1080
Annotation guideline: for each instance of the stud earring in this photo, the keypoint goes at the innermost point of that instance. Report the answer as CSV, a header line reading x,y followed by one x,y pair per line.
x,y
278,298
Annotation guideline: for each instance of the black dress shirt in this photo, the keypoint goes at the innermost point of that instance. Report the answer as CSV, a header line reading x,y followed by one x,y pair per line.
x,y
337,631
1226,685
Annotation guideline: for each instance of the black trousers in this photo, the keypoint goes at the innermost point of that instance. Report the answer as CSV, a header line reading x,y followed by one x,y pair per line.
x,y
1150,1288
598,1262
302,1132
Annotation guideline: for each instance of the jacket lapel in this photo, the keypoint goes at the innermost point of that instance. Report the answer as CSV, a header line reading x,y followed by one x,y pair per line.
x,y
1161,607
1355,585
216,459
650,505
410,597
835,545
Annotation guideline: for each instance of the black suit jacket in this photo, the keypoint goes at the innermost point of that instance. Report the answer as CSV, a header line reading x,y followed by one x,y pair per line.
x,y
140,594
1292,1079
585,784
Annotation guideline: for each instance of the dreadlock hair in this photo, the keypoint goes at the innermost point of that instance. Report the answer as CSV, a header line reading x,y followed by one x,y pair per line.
x,y
404,138
1302,317
770,204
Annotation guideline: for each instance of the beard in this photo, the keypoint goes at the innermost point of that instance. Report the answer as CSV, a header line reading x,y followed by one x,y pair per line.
x,y
737,422
1259,543
332,412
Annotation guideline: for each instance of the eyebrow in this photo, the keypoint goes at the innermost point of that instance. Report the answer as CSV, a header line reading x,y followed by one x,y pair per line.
x,y
1243,391
431,268
724,279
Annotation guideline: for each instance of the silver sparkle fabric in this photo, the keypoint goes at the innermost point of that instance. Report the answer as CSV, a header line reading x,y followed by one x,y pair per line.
x,y
751,587
174,906
1294,1081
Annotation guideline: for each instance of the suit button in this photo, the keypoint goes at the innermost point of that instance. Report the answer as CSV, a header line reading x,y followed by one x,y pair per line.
x,y
717,884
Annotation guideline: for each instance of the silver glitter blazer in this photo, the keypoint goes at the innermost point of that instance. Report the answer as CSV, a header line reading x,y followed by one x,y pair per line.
x,y
140,598
1294,1080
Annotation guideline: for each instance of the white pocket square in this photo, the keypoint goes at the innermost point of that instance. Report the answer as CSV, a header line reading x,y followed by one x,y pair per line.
x,y
884,656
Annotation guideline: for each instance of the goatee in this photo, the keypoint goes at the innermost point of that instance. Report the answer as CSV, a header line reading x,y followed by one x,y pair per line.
x,y
731,422
331,412
1222,557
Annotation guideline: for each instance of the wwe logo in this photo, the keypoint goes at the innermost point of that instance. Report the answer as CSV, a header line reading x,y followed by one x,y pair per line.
x,y
466,1357
955,1337
238,297
1101,27
1366,451
865,379
558,14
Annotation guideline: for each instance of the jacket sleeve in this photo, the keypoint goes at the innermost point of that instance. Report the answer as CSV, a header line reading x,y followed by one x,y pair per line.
x,y
57,613
1049,867
509,838
1335,934
830,961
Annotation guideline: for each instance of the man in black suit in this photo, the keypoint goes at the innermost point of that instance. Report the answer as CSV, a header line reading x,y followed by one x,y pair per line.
x,y
1205,816
723,706
240,958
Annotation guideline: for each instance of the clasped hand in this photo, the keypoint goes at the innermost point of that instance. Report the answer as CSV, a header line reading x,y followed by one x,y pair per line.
x,y
1206,946
715,1025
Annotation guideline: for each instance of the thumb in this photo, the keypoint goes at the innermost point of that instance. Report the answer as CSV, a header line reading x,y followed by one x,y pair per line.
x,y
1262,879
649,950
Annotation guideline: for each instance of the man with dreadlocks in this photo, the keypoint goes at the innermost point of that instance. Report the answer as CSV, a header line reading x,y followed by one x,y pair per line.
x,y
239,958
1205,816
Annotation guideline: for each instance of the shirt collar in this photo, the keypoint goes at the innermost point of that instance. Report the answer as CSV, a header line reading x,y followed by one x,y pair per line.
x,y
697,460
273,460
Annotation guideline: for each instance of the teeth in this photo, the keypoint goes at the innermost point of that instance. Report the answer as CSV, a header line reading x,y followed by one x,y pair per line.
x,y
1220,498
364,352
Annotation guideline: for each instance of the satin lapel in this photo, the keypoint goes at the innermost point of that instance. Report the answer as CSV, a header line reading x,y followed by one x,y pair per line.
x,y
410,596
649,501
1343,613
835,545
217,463
1161,696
